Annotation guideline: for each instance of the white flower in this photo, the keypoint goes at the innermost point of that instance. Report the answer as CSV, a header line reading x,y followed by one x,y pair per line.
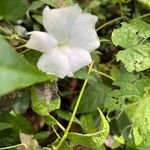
x,y
67,44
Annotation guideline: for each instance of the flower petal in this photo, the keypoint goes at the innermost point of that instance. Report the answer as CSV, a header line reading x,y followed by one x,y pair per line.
x,y
41,41
83,33
55,63
78,58
58,22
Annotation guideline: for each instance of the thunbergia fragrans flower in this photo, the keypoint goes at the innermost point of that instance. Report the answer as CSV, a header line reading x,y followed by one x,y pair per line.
x,y
67,44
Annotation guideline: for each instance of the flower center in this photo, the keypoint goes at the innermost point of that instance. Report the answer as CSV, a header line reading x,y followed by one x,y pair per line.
x,y
62,46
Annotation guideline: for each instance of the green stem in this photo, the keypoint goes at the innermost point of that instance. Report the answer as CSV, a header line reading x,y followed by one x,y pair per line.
x,y
14,37
4,31
20,47
46,148
74,111
14,146
9,23
103,74
24,51
22,40
105,40
6,37
60,126
109,22
55,131
145,15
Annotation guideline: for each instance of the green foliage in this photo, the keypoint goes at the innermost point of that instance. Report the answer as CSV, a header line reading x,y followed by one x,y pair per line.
x,y
15,72
132,37
22,103
58,3
138,113
146,2
13,10
16,122
131,90
136,58
37,116
82,74
66,116
35,5
43,107
92,140
93,97
87,124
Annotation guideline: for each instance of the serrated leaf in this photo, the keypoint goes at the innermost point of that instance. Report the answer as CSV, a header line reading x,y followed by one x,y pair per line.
x,y
114,100
136,58
13,10
130,34
132,37
138,114
131,90
16,72
91,140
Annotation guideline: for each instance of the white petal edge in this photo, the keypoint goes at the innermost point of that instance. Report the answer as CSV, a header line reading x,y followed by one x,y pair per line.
x,y
58,22
78,58
41,41
83,33
55,63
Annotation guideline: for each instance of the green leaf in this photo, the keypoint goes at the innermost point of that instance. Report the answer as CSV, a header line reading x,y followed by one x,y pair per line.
x,y
17,122
83,74
136,58
130,34
55,3
114,100
41,135
4,125
16,72
146,2
23,102
42,107
42,102
66,115
87,123
38,18
13,9
132,37
131,90
35,5
91,140
93,97
94,4
64,146
32,56
138,113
